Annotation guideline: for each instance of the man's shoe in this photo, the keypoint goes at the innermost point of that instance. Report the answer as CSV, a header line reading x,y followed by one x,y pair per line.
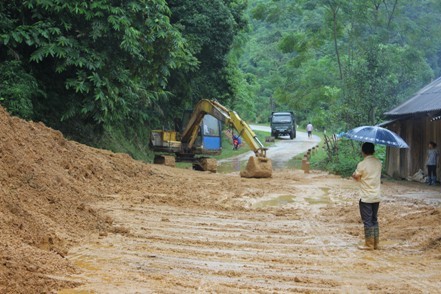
x,y
368,245
376,238
369,239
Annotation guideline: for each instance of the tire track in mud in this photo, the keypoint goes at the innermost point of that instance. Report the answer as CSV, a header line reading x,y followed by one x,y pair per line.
x,y
295,249
222,251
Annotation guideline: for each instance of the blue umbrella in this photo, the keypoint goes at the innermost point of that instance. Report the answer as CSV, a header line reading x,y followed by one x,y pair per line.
x,y
376,135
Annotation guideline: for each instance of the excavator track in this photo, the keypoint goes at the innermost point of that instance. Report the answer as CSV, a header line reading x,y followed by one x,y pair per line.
x,y
206,164
167,160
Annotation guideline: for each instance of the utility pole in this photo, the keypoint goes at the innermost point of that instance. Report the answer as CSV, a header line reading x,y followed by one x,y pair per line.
x,y
271,103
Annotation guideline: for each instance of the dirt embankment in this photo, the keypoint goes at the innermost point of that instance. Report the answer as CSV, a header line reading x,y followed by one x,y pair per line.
x,y
46,185
56,194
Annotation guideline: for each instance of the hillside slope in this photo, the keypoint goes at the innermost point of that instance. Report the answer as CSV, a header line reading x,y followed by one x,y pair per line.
x,y
46,183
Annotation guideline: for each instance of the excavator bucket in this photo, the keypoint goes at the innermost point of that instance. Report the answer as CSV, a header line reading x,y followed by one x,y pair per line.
x,y
258,167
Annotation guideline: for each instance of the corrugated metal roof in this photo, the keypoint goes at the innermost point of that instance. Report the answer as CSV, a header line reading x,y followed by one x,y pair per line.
x,y
428,99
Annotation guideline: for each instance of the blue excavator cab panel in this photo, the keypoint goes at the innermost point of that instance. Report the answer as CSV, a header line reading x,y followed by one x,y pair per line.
x,y
211,129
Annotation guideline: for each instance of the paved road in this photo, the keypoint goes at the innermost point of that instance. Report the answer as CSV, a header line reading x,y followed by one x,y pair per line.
x,y
280,153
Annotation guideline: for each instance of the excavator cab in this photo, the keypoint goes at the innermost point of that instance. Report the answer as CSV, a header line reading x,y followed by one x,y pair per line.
x,y
209,138
208,142
211,134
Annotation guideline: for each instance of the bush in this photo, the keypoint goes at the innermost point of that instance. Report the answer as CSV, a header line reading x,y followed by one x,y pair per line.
x,y
342,156
16,89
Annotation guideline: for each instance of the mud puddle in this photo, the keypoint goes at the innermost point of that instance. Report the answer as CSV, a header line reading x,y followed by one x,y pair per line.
x,y
293,233
313,197
277,201
232,165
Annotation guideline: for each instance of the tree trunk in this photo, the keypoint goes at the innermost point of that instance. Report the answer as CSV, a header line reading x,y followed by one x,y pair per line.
x,y
334,16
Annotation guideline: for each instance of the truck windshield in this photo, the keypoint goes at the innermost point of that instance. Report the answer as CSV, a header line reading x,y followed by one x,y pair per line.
x,y
281,119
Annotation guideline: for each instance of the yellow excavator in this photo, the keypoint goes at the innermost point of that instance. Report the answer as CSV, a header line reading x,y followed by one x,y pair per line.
x,y
198,136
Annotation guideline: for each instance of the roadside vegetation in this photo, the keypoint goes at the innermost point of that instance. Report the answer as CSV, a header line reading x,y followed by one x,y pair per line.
x,y
339,63
337,157
344,158
105,73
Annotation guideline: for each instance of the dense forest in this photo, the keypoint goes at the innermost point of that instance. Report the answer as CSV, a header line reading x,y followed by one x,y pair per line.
x,y
340,63
104,72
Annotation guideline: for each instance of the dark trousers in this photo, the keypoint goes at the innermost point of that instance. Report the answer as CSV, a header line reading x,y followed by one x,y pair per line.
x,y
369,212
431,170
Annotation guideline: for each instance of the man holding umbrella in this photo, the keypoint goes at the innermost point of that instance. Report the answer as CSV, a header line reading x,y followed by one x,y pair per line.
x,y
368,174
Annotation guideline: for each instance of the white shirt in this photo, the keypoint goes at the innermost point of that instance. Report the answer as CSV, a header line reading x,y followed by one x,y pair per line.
x,y
369,170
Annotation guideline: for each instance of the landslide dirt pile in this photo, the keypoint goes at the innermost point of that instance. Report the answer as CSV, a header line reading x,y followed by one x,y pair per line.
x,y
46,185
47,188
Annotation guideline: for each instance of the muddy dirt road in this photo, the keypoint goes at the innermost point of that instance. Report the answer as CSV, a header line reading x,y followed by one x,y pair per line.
x,y
280,153
294,233
75,219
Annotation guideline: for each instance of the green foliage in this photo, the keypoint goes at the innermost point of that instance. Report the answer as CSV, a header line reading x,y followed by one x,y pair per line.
x,y
90,67
379,78
209,28
17,88
96,61
341,157
259,12
341,63
126,140
87,67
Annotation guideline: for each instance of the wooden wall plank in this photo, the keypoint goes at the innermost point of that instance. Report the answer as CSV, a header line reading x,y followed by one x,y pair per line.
x,y
417,132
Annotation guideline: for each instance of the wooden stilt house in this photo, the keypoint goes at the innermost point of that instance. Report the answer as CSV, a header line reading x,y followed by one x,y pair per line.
x,y
417,121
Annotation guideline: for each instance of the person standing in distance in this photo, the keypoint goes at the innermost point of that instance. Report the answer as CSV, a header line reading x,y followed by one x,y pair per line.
x,y
368,174
309,129
431,162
